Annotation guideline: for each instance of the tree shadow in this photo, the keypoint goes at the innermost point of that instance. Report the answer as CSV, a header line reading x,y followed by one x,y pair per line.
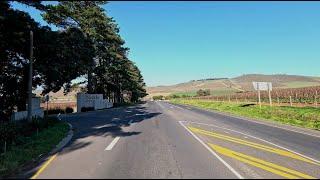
x,y
247,105
105,123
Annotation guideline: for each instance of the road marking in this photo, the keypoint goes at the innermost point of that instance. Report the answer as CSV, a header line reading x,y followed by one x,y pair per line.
x,y
260,140
112,144
255,121
44,166
265,165
212,152
140,114
252,144
105,126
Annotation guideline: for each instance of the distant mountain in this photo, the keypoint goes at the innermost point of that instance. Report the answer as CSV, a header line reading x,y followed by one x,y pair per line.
x,y
278,80
242,83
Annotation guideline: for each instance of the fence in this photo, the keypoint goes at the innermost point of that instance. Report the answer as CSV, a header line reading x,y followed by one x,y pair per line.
x,y
298,97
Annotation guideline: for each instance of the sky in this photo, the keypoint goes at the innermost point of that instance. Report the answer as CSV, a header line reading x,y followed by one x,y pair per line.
x,y
174,42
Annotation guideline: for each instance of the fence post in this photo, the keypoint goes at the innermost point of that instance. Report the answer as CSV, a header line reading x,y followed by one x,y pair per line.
x,y
290,101
315,99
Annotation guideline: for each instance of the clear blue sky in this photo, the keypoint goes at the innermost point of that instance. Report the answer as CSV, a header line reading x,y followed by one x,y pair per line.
x,y
173,42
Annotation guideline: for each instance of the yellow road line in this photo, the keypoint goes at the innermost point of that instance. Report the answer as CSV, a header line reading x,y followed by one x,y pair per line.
x,y
254,145
265,165
44,166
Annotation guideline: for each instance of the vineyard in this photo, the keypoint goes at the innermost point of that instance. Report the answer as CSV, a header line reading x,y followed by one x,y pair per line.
x,y
308,96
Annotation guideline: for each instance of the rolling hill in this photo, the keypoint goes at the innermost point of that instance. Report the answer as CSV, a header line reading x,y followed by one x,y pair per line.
x,y
231,85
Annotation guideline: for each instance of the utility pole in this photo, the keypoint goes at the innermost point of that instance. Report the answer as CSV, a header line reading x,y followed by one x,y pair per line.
x,y
30,79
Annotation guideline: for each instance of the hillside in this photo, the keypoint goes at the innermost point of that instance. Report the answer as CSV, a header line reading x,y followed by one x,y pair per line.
x,y
241,83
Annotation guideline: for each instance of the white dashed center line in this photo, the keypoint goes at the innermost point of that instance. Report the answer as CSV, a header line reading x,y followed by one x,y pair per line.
x,y
112,144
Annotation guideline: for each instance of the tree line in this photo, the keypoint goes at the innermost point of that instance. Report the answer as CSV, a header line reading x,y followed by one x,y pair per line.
x,y
87,44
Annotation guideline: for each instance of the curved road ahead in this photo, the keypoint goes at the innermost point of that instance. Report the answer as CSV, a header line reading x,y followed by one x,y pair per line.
x,y
161,140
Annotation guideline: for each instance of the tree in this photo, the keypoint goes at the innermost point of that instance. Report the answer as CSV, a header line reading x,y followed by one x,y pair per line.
x,y
112,72
201,92
59,57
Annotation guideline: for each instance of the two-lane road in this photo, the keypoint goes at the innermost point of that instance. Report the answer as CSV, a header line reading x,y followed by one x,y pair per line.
x,y
161,140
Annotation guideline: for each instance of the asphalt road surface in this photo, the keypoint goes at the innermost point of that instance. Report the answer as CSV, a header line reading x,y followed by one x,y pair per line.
x,y
161,140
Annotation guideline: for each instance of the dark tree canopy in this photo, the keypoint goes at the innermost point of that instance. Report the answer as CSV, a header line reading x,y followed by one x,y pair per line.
x,y
88,42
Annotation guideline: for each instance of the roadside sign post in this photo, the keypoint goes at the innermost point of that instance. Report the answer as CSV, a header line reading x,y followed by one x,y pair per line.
x,y
259,96
263,86
269,92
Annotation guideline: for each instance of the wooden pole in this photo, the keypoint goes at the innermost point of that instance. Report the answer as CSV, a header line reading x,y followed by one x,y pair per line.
x,y
290,101
29,117
278,100
316,99
47,109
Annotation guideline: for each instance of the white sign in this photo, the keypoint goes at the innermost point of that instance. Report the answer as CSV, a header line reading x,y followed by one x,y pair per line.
x,y
262,86
92,100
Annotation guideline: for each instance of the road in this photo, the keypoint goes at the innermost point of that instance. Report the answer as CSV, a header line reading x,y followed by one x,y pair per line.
x,y
161,140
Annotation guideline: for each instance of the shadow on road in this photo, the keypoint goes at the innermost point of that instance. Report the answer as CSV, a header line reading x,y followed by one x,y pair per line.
x,y
105,123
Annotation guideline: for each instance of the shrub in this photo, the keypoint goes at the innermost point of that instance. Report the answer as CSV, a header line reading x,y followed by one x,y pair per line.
x,y
203,92
54,111
16,132
85,109
69,110
160,97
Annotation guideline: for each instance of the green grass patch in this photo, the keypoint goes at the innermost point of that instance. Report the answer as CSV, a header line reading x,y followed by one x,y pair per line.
x,y
307,117
32,147
187,93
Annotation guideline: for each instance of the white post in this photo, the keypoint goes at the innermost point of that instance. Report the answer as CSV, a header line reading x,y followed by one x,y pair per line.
x,y
259,96
290,101
269,91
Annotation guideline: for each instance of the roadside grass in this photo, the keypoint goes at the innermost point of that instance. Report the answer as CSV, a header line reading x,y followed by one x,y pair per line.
x,y
307,117
186,93
33,147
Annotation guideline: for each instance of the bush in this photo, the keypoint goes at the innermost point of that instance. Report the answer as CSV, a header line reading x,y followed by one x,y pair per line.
x,y
85,109
160,97
15,132
69,110
54,111
203,92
